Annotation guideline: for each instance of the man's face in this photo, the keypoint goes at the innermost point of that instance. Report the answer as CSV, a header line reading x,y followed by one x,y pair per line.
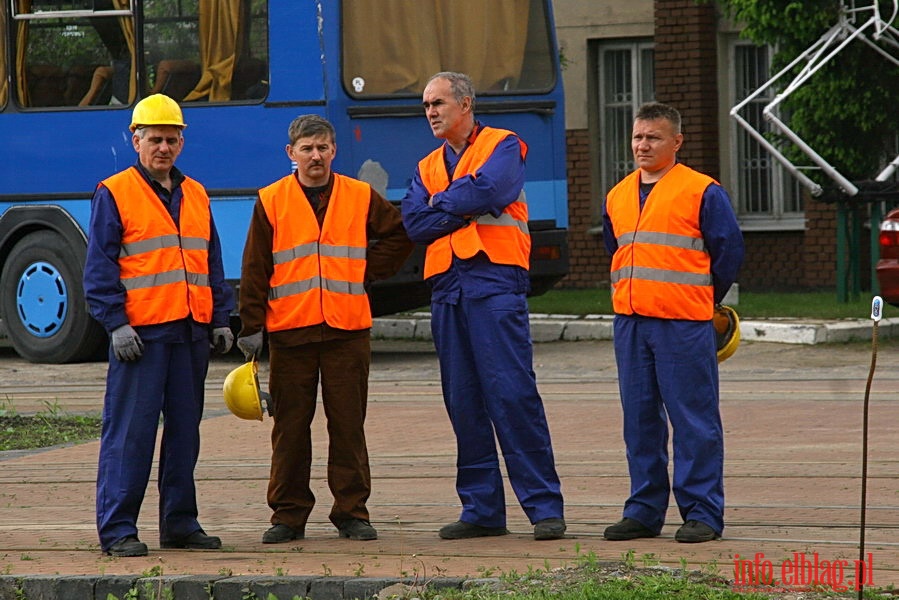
x,y
158,148
448,118
655,145
313,156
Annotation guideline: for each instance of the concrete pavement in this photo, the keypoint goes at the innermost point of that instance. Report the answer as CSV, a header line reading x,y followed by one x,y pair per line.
x,y
792,414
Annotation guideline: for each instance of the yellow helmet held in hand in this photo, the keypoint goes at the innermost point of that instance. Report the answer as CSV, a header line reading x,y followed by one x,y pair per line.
x,y
243,396
727,328
157,109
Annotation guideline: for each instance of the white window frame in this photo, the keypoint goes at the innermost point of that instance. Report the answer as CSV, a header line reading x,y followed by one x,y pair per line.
x,y
36,15
779,216
612,150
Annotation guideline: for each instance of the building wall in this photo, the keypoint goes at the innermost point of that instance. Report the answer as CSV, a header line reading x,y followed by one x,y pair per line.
x,y
687,75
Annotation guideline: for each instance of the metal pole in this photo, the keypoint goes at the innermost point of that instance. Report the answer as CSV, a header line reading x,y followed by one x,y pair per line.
x,y
876,314
842,293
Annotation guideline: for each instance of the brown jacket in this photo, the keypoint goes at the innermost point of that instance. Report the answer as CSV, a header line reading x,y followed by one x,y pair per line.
x,y
385,257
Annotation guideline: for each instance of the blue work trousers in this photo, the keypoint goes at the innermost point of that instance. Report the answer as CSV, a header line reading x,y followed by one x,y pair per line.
x,y
490,392
668,371
168,380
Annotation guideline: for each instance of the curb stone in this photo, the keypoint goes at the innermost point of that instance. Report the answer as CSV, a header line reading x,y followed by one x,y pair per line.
x,y
573,328
215,587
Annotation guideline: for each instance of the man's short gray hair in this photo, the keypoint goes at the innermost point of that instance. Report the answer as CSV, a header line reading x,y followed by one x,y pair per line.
x,y
310,126
460,84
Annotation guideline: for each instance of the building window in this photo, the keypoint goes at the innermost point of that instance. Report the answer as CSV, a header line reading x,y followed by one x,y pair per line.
x,y
625,80
763,191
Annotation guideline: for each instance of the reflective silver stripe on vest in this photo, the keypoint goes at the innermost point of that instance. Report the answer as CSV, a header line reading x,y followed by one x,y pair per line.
x,y
662,275
194,243
662,239
157,243
148,281
344,287
198,279
301,251
332,285
297,287
310,249
164,241
343,251
504,220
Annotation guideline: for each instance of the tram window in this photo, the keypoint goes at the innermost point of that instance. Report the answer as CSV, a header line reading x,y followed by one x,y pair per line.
x,y
504,45
68,53
4,85
63,49
231,64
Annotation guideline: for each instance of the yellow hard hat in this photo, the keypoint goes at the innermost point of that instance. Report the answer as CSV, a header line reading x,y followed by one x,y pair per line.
x,y
243,396
727,328
157,109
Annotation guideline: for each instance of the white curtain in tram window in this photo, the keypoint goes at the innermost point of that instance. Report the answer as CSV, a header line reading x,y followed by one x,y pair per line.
x,y
23,6
485,40
220,36
4,87
388,45
127,25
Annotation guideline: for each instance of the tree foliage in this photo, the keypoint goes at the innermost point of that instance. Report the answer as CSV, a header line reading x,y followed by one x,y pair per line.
x,y
847,111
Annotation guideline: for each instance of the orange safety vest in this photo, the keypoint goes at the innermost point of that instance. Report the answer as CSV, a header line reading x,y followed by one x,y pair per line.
x,y
662,267
504,239
319,273
165,271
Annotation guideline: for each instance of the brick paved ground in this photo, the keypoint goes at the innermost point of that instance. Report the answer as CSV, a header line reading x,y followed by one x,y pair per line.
x,y
793,418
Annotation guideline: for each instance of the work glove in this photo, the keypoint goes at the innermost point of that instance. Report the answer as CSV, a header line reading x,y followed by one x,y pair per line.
x,y
250,345
126,344
222,340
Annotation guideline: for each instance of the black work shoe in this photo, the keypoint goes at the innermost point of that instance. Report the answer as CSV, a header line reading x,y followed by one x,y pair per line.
x,y
460,530
280,533
694,532
198,540
627,529
357,529
549,529
128,546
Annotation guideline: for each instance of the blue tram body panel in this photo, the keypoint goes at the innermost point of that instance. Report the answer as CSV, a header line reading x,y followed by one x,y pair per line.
x,y
51,159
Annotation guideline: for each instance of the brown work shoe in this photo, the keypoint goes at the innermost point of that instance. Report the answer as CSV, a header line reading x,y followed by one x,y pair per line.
x,y
280,533
357,529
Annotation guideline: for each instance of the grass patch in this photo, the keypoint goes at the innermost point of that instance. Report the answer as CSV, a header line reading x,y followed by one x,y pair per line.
x,y
48,428
633,578
807,305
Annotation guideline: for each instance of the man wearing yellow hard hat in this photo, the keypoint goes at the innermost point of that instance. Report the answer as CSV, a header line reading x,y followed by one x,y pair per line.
x,y
154,279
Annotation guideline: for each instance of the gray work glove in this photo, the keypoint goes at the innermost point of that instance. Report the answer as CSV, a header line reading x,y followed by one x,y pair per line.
x,y
126,343
250,345
222,340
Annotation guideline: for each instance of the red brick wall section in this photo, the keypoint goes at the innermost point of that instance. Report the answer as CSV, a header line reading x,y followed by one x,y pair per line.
x,y
819,253
589,261
686,77
772,262
686,62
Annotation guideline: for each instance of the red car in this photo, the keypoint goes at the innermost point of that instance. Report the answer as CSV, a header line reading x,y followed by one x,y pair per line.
x,y
888,265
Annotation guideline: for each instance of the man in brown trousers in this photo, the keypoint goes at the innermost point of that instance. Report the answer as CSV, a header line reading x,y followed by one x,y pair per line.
x,y
306,265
